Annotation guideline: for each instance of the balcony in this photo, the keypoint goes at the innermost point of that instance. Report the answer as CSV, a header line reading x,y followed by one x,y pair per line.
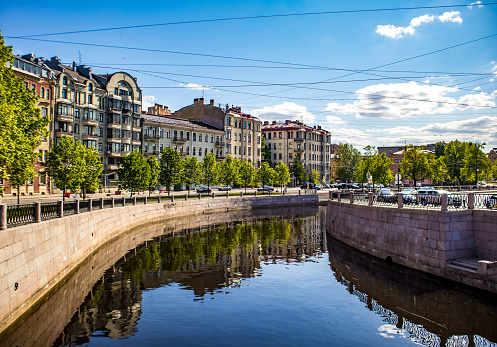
x,y
126,140
64,118
114,125
299,139
150,137
220,156
111,167
152,152
220,143
114,110
299,150
92,137
113,153
60,132
90,122
179,139
125,126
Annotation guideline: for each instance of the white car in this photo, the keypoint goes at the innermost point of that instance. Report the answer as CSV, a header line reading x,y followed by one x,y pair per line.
x,y
409,195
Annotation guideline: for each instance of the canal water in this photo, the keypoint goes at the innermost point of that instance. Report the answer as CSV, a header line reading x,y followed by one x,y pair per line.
x,y
267,278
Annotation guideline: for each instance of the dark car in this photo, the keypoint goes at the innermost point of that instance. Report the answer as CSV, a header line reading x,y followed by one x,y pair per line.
x,y
224,189
386,195
203,190
491,201
308,186
266,189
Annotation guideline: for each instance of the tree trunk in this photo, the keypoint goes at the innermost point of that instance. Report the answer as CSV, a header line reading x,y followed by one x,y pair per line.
x,y
64,194
18,194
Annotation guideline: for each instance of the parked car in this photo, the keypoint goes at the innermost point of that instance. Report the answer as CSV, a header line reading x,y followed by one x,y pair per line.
x,y
409,195
308,185
491,201
266,189
203,190
386,195
434,197
224,189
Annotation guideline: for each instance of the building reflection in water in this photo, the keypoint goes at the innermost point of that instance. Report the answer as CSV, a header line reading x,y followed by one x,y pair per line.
x,y
429,310
205,260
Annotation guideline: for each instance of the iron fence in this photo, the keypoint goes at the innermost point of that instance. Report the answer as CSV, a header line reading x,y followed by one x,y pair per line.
x,y
70,207
49,210
20,214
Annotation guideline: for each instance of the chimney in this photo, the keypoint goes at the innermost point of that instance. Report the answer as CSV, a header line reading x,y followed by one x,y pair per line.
x,y
195,101
319,127
266,122
287,121
274,122
74,65
201,101
212,102
29,56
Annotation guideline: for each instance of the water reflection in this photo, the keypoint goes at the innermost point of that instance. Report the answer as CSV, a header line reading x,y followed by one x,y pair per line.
x,y
426,309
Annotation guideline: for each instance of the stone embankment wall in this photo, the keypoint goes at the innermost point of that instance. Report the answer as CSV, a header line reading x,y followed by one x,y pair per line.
x,y
35,257
427,240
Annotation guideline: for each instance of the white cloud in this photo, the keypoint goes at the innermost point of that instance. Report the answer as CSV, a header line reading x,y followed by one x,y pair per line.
x,y
284,111
396,32
194,86
148,101
477,88
402,100
453,16
476,3
334,120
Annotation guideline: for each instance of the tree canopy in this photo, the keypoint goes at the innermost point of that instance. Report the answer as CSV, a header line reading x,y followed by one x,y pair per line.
x,y
192,172
209,170
299,171
171,167
134,172
246,173
347,160
282,174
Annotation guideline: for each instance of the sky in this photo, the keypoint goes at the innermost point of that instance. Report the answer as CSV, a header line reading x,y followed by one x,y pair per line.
x,y
380,73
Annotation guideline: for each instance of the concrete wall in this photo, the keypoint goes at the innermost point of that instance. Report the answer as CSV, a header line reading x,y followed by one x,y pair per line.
x,y
35,257
426,240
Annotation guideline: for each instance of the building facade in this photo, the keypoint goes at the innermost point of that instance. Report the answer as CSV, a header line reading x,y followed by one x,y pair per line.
x,y
101,111
187,137
37,77
243,132
290,140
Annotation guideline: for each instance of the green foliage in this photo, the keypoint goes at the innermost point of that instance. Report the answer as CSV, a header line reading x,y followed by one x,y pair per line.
x,y
347,160
154,166
228,171
440,149
92,170
265,174
134,172
299,171
438,169
266,151
21,125
65,164
171,167
209,170
247,173
314,177
477,166
282,174
454,154
378,166
192,171
416,164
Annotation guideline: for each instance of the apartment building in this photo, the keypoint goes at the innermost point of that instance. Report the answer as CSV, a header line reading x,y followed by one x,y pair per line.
x,y
189,138
101,111
289,140
41,80
243,132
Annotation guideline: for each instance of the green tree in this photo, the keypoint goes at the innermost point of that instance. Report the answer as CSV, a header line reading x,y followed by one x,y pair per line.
x,y
477,166
21,126
265,174
314,176
209,170
299,171
366,165
247,173
134,172
228,171
171,167
91,171
454,154
416,164
282,174
192,172
347,160
438,169
65,164
440,149
154,165
266,151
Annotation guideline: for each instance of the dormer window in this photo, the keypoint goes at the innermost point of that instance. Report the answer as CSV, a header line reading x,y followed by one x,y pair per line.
x,y
90,87
64,80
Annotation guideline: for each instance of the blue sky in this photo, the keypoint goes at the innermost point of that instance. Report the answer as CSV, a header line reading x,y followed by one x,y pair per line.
x,y
422,92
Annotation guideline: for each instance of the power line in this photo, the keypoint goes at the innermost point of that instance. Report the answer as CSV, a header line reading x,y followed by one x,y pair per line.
x,y
253,17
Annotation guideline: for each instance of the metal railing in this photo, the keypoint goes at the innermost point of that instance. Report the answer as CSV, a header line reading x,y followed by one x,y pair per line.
x,y
49,210
20,214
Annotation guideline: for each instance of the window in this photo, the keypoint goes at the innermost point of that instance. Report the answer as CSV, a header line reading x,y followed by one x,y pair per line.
x,y
274,156
206,138
234,150
76,129
212,138
47,94
100,132
274,146
188,135
244,124
90,87
228,120
199,137
100,117
205,152
42,93
244,138
249,138
90,99
258,139
249,151
161,133
250,125
64,80
193,153
64,93
194,135
168,134
280,135
200,151
76,113
269,136
235,136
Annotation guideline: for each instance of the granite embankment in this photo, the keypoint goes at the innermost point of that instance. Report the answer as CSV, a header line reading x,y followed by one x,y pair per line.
x,y
35,257
460,245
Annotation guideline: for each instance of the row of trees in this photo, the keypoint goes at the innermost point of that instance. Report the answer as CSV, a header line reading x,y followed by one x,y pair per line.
x,y
138,173
452,162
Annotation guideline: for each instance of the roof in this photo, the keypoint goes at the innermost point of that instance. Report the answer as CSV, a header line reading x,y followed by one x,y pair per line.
x,y
293,126
176,122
